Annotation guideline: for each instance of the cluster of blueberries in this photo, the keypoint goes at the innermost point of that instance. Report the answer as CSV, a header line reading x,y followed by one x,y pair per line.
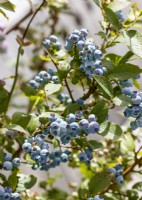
x,y
86,156
44,77
74,124
90,56
64,98
52,41
38,149
135,109
96,197
117,171
7,194
10,163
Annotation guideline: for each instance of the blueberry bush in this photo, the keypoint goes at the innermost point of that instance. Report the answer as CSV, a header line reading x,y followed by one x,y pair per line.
x,y
75,88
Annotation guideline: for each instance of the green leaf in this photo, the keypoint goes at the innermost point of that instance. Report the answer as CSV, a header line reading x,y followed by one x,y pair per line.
x,y
55,142
127,144
125,71
52,88
82,142
45,58
138,24
112,18
134,41
94,144
126,57
98,2
63,69
2,178
25,182
13,180
99,182
117,5
3,100
17,128
122,100
21,119
101,111
104,84
72,108
137,84
84,170
110,131
28,90
138,186
32,125
8,6
3,13
56,193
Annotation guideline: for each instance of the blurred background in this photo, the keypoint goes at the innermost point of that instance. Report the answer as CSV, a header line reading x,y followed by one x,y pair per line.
x,y
60,18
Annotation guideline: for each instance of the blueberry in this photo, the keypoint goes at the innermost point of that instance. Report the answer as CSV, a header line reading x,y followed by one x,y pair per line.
x,y
98,197
65,139
98,72
82,67
80,45
46,43
84,32
138,122
15,196
94,127
80,101
55,79
127,91
89,153
7,165
98,54
53,38
84,124
16,162
34,84
45,76
58,45
2,191
119,179
79,114
136,100
112,171
74,127
44,153
68,46
52,117
38,79
76,32
39,139
82,157
36,150
134,125
6,196
7,156
27,147
91,118
70,118
89,64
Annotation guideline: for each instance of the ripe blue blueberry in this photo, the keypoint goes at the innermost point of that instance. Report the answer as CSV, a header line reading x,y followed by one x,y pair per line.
x,y
7,156
70,118
53,38
7,165
16,162
46,43
27,147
